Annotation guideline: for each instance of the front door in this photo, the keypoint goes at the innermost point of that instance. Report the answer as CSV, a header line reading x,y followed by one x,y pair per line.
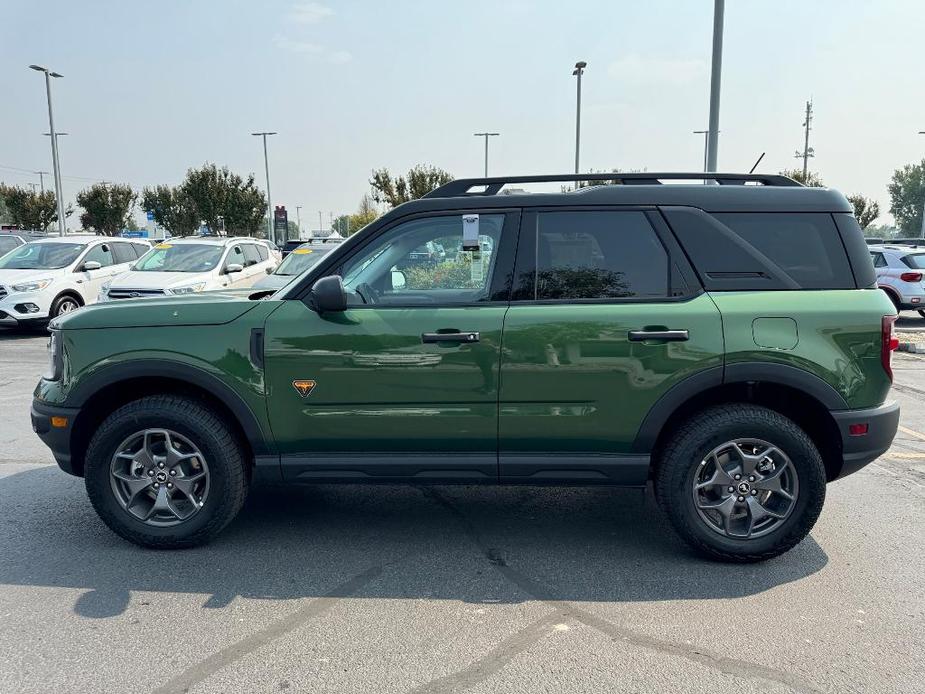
x,y
91,281
404,383
604,320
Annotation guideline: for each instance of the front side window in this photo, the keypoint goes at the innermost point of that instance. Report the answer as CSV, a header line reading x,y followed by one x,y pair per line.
x,y
423,262
100,254
123,253
185,257
593,254
41,256
251,255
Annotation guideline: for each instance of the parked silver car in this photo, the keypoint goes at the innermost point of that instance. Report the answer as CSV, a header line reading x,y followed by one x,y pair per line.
x,y
900,273
295,263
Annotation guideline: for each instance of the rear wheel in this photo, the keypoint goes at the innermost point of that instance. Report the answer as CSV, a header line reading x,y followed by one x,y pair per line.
x,y
165,472
741,483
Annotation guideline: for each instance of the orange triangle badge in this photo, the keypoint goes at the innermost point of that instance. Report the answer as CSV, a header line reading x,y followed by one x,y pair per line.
x,y
304,387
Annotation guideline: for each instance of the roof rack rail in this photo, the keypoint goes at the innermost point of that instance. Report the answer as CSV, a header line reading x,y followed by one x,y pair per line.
x,y
462,186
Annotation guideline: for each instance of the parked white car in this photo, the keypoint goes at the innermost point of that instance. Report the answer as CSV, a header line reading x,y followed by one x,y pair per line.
x,y
901,274
43,279
192,264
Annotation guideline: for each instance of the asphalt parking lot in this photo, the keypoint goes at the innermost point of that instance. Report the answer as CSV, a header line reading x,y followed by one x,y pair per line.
x,y
453,589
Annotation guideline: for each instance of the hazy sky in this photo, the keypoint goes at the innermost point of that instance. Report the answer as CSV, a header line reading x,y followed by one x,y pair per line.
x,y
152,88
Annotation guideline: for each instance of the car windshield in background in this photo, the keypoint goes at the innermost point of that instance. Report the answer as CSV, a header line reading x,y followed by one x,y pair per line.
x,y
915,260
41,256
185,257
300,260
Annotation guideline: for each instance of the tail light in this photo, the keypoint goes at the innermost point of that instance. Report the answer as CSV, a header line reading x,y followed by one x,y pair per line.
x,y
911,277
888,344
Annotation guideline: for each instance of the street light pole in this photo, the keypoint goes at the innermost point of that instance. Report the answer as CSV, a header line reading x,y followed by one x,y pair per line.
x,y
578,71
719,7
706,141
42,175
486,136
56,166
266,165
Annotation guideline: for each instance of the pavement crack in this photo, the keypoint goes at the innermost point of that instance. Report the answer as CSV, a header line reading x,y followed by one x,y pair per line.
x,y
204,669
546,594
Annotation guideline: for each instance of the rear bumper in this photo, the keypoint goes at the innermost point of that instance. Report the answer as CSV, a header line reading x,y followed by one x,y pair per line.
x,y
57,438
858,451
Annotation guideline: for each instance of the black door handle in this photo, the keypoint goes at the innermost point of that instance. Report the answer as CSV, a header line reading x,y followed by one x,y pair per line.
x,y
664,335
450,337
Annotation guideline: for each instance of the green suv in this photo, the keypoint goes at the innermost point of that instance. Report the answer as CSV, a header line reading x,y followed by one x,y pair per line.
x,y
725,342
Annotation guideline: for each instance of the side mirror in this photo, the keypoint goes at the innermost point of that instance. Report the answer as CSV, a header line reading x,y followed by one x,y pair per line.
x,y
90,265
398,279
328,295
233,267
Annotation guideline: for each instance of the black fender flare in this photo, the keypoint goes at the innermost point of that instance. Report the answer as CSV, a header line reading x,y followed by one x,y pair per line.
x,y
260,442
739,372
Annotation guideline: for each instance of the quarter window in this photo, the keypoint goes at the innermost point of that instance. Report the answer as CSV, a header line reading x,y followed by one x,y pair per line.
x,y
594,255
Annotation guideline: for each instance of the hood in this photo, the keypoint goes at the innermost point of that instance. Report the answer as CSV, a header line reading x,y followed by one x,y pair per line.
x,y
202,308
157,280
8,277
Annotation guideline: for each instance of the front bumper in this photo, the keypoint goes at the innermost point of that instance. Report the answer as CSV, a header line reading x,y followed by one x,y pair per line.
x,y
24,306
56,436
858,451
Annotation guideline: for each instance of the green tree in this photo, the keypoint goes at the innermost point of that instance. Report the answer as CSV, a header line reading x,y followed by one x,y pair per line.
x,y
866,210
217,192
907,195
106,207
420,180
812,179
348,224
172,209
880,231
28,209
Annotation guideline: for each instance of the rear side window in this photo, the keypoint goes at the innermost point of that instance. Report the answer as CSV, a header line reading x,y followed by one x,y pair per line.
x,y
262,251
879,260
593,255
806,246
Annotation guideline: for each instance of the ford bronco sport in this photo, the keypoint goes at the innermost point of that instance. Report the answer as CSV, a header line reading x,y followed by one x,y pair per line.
x,y
725,342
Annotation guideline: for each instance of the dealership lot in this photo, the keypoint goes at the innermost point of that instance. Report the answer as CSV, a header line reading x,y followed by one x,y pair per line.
x,y
451,589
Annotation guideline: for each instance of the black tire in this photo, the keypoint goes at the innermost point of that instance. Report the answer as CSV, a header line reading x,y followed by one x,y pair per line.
x,y
196,422
921,312
678,465
65,301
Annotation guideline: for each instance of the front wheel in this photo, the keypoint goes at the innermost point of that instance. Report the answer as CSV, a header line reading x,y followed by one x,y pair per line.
x,y
63,305
165,472
741,483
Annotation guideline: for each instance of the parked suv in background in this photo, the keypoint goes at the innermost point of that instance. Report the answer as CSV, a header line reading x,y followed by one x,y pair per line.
x,y
43,279
726,342
297,261
194,264
900,271
10,241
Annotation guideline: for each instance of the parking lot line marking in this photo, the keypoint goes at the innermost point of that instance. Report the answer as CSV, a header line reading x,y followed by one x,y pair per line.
x,y
912,432
904,456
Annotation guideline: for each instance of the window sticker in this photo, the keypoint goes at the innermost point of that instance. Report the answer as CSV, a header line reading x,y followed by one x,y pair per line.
x,y
470,232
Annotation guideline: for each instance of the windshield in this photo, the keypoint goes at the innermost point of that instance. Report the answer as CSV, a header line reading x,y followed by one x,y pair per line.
x,y
41,256
186,257
300,260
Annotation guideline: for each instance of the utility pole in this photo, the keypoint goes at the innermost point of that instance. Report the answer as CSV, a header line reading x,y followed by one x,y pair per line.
x,y
298,218
266,165
808,152
56,165
706,145
32,185
320,223
922,132
716,72
578,72
486,136
42,175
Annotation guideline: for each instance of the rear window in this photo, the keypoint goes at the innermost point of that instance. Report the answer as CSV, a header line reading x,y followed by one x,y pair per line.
x,y
915,260
806,246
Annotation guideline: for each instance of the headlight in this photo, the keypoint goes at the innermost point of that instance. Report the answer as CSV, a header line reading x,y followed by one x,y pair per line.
x,y
53,370
188,289
32,286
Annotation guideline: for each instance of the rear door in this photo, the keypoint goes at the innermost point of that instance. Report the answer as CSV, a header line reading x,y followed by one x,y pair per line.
x,y
404,383
606,316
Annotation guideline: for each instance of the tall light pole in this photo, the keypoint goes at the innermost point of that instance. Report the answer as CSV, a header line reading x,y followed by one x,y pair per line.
x,y
922,132
578,72
719,7
266,165
56,166
486,136
298,218
41,175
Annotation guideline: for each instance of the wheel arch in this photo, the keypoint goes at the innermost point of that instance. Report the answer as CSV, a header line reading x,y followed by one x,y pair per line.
x,y
110,388
73,293
797,394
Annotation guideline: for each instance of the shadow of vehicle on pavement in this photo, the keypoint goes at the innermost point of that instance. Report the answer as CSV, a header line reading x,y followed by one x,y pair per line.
x,y
471,544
